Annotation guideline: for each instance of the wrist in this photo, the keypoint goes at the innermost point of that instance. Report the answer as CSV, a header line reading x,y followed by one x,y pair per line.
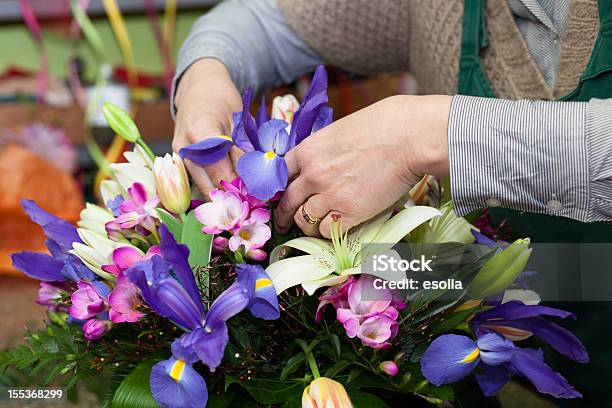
x,y
426,131
206,75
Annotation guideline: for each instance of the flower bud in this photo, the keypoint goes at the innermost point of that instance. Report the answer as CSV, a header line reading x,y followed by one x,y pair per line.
x,y
172,183
325,392
501,270
389,367
220,244
258,255
93,329
284,107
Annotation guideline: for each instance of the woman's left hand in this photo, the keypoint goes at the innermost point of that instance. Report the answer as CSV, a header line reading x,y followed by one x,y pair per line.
x,y
360,165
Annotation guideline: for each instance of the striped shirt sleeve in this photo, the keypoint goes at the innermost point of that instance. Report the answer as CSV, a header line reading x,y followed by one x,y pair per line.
x,y
535,156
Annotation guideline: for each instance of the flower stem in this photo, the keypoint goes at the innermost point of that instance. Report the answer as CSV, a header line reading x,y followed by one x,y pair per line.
x,y
140,142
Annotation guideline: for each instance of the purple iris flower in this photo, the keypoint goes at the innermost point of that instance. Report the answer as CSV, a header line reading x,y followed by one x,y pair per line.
x,y
168,286
451,357
265,141
60,265
514,316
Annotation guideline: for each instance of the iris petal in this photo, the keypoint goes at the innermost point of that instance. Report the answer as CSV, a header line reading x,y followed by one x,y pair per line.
x,y
449,358
264,302
530,364
269,136
495,349
263,174
176,384
207,151
38,266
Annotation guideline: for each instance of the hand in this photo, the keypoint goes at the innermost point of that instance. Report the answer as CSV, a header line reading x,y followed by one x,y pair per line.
x,y
360,165
205,100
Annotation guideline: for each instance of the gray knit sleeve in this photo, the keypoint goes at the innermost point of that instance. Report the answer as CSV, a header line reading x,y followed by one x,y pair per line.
x,y
362,36
252,39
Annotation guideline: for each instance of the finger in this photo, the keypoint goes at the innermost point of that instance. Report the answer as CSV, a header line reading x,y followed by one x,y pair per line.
x,y
200,178
346,223
235,154
221,170
291,158
316,207
295,195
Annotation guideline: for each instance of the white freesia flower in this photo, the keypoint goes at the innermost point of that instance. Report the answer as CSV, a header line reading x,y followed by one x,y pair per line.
x,y
130,173
138,156
110,189
172,183
94,218
96,251
331,262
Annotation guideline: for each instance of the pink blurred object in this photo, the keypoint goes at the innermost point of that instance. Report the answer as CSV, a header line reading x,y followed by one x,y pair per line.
x,y
47,142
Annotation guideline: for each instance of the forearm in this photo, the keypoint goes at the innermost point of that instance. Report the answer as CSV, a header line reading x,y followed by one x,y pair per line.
x,y
535,156
252,40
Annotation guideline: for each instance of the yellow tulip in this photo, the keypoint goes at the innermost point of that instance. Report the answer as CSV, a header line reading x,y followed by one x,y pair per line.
x,y
325,393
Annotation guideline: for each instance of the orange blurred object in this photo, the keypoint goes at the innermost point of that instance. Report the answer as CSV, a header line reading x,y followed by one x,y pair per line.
x,y
25,175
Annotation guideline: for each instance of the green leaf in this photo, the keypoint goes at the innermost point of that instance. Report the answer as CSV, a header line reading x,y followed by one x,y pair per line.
x,y
121,122
269,391
335,340
453,320
292,365
134,391
199,244
336,368
362,399
174,225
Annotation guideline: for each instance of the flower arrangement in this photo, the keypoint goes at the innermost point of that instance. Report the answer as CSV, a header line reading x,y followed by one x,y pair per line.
x,y
184,303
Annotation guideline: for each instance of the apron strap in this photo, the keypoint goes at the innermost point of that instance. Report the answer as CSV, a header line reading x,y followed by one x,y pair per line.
x,y
605,12
474,33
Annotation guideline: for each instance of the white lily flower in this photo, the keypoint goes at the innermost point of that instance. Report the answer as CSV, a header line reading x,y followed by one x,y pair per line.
x,y
331,262
94,218
130,173
97,250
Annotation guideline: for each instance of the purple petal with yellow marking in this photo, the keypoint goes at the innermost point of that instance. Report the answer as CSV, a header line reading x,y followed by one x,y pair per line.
x,y
174,383
449,358
264,302
263,174
207,151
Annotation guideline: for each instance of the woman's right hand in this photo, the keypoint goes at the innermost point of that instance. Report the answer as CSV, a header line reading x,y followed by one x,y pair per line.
x,y
205,99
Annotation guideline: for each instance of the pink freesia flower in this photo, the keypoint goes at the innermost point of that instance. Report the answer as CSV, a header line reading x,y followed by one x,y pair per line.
x,y
93,329
138,210
258,255
253,233
220,244
50,294
237,186
225,212
337,296
124,257
374,322
389,367
123,301
86,301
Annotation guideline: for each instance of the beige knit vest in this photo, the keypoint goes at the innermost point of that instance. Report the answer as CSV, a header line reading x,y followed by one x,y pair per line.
x,y
424,37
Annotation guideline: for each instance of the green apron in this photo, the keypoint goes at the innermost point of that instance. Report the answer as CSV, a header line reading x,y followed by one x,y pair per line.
x,y
595,82
594,318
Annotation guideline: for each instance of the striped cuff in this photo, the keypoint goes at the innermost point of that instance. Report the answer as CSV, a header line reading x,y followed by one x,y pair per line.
x,y
599,150
524,155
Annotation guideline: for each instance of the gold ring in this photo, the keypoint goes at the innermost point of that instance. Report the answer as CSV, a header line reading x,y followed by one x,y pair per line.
x,y
309,218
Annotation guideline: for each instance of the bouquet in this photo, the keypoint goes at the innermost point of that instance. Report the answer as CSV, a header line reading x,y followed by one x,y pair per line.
x,y
184,303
